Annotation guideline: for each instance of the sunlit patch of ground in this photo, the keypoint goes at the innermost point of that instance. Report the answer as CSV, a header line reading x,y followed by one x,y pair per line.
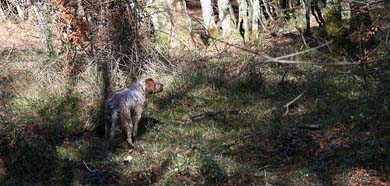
x,y
24,36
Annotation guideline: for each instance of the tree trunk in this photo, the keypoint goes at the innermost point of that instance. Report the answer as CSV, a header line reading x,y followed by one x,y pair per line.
x,y
256,18
267,9
188,16
306,6
263,20
224,17
243,22
21,12
153,14
2,14
234,19
45,30
208,17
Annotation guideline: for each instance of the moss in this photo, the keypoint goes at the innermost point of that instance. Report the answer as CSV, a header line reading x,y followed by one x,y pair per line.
x,y
336,31
213,32
334,24
162,38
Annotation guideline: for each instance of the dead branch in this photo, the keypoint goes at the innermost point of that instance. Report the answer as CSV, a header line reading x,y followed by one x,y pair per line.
x,y
301,52
86,166
204,115
10,52
309,126
270,59
291,102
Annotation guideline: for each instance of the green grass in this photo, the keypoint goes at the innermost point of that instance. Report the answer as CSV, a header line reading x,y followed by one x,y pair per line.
x,y
248,141
44,141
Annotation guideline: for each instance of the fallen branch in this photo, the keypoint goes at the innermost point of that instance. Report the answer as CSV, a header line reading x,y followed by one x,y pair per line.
x,y
270,59
86,166
9,52
299,53
309,126
204,115
291,102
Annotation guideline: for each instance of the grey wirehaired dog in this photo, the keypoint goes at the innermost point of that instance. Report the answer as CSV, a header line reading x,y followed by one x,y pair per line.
x,y
127,106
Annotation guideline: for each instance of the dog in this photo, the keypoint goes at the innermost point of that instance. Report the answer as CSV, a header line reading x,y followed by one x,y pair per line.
x,y
127,106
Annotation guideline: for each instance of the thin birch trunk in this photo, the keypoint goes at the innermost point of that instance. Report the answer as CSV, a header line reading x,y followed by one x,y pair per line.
x,y
42,23
224,16
233,17
2,14
208,15
153,14
188,16
306,6
243,19
256,18
266,5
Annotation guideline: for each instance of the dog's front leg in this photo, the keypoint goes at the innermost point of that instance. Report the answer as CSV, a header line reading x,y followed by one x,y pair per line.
x,y
136,119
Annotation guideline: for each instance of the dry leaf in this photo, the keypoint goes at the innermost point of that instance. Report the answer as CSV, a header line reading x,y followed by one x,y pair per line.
x,y
190,153
128,158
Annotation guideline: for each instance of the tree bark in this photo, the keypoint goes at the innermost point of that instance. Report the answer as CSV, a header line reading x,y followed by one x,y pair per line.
x,y
2,14
267,9
243,20
42,23
153,11
256,18
208,15
224,17
306,6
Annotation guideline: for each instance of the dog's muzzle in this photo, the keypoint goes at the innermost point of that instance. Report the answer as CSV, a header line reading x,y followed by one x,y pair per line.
x,y
159,87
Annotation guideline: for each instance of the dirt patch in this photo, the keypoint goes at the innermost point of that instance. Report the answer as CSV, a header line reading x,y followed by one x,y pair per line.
x,y
23,36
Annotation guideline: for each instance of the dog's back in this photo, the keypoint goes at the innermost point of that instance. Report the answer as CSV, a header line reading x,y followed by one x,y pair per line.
x,y
131,96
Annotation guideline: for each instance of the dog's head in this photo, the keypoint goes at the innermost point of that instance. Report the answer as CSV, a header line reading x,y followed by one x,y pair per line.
x,y
152,87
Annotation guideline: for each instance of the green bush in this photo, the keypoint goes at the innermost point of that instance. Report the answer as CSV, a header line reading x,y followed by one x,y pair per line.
x,y
334,24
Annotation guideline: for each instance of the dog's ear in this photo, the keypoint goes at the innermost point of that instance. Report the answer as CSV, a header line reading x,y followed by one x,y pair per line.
x,y
150,86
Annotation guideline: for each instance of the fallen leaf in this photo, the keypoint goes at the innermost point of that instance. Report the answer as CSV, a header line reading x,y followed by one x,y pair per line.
x,y
128,158
190,153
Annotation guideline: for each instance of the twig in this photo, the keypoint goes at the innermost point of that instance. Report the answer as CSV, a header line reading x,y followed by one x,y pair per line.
x,y
9,53
163,56
86,166
291,102
204,115
270,59
172,36
301,52
309,126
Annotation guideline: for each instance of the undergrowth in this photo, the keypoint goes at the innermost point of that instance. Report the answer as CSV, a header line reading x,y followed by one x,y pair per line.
x,y
51,134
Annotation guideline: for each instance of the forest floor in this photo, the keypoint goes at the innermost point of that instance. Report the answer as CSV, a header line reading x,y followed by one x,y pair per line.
x,y
222,122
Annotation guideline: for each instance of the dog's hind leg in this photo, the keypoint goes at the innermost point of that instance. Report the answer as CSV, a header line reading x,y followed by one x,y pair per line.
x,y
111,130
128,125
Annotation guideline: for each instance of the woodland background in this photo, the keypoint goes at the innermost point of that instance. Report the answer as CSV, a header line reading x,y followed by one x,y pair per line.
x,y
258,92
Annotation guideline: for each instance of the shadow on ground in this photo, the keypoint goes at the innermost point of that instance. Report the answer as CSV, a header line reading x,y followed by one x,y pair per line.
x,y
352,114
